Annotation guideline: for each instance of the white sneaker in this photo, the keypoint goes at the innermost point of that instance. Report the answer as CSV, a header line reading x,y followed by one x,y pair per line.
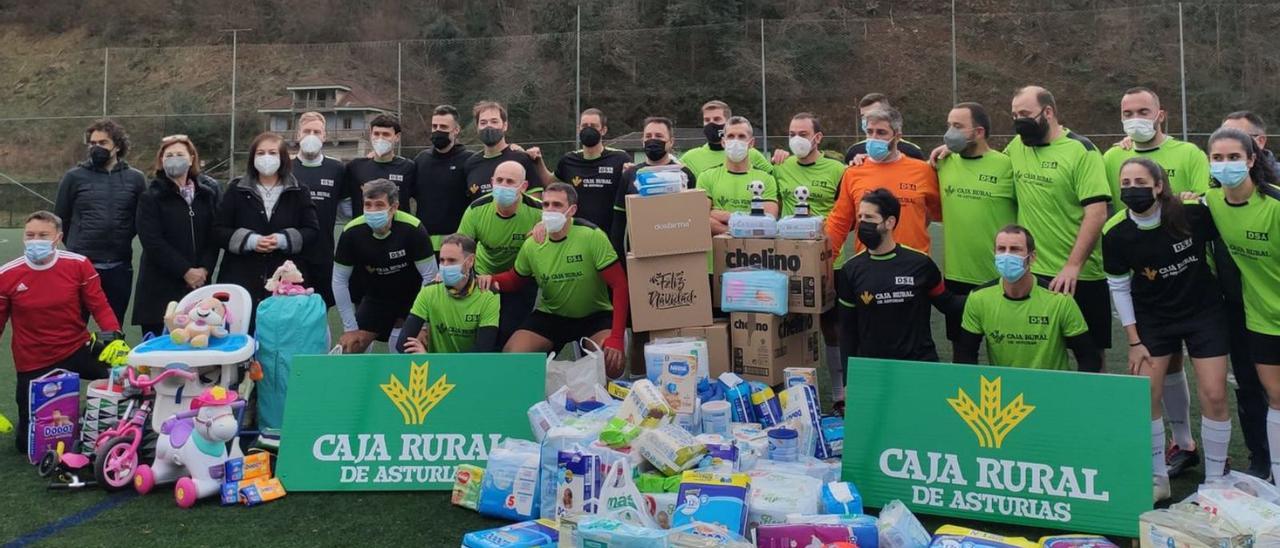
x,y
1160,489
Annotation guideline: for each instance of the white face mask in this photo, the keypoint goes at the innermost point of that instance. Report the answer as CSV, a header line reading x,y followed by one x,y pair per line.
x,y
554,221
1141,130
310,145
266,164
800,146
382,146
736,150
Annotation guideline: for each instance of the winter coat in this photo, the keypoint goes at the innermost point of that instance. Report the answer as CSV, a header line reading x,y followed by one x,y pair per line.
x,y
176,237
242,214
97,208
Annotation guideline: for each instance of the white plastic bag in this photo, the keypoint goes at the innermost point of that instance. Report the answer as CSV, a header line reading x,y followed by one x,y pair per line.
x,y
581,375
619,498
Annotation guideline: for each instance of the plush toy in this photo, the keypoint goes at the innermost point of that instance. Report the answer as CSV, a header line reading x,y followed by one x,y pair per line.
x,y
192,447
287,280
208,318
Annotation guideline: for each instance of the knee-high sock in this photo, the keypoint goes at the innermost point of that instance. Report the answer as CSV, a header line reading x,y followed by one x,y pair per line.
x,y
1214,437
1177,408
1273,439
1159,467
836,368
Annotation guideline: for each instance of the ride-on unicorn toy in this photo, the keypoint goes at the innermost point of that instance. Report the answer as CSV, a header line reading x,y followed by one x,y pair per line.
x,y
192,448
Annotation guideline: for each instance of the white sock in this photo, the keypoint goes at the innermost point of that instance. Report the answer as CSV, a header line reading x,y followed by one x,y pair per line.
x,y
1215,435
836,368
1159,468
1177,408
1273,439
391,341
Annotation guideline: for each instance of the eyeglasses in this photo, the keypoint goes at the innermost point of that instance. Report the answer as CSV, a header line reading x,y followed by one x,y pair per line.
x,y
177,137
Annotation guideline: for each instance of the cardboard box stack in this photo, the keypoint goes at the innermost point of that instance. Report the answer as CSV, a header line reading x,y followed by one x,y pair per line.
x,y
670,236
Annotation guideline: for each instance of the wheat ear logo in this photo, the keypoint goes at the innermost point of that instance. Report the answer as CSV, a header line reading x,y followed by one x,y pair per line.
x,y
990,422
417,400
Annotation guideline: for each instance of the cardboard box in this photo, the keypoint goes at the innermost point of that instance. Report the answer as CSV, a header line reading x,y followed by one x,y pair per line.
x,y
717,337
669,224
762,345
807,262
669,292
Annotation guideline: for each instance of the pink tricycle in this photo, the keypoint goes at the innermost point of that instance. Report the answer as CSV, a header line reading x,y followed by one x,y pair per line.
x,y
116,451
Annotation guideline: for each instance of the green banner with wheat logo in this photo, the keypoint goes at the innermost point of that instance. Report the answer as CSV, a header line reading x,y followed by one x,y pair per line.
x,y
396,422
1052,449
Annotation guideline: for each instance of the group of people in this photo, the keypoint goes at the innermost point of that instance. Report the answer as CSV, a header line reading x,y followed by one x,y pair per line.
x,y
500,253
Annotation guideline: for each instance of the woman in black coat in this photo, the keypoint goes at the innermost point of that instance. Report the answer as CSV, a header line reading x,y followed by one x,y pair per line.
x,y
265,218
175,225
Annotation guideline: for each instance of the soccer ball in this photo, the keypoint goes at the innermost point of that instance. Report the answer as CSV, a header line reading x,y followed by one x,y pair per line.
x,y
756,188
801,193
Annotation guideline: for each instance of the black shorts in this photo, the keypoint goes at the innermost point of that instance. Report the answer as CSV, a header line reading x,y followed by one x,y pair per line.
x,y
1094,299
1204,334
953,320
1264,348
561,330
380,316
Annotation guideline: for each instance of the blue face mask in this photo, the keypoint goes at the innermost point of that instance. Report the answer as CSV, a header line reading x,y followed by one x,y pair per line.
x,y
451,274
505,195
38,251
877,149
1011,267
1230,174
377,220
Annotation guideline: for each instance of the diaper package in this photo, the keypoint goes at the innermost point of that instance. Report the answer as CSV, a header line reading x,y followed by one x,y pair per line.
x,y
952,535
1076,541
862,528
540,533
774,495
669,448
745,225
578,483
789,535
645,406
543,417
833,434
713,498
754,290
509,489
738,393
611,533
560,438
802,406
1186,525
1244,511
466,486
793,227
841,497
662,506
764,404
657,180
899,528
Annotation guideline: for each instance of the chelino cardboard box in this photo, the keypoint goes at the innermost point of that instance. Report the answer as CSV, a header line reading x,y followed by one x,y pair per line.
x,y
808,264
762,345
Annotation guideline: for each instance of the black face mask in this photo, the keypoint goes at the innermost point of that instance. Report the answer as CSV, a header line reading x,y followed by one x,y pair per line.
x,y
440,140
655,150
1032,130
99,156
491,136
869,234
1137,199
589,136
713,132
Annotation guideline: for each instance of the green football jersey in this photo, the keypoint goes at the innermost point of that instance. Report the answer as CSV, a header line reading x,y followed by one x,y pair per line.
x,y
1186,165
703,158
1030,332
498,239
731,192
1252,234
453,321
1052,184
822,178
568,271
977,201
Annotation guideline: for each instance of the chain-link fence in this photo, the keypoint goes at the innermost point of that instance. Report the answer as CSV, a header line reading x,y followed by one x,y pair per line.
x,y
1204,59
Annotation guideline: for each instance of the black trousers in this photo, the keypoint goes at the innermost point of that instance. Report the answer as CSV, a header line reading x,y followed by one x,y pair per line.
x,y
82,362
117,284
1251,397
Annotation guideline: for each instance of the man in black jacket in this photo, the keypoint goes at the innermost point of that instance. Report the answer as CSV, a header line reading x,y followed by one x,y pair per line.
x,y
97,201
321,175
442,177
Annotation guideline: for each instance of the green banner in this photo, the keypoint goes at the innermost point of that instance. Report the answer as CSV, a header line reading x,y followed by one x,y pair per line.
x,y
397,422
1053,449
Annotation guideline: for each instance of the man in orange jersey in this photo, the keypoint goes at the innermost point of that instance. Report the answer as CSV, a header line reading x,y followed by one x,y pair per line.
x,y
911,181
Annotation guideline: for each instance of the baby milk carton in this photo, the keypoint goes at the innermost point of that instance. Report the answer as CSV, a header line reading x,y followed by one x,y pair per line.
x,y
55,412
